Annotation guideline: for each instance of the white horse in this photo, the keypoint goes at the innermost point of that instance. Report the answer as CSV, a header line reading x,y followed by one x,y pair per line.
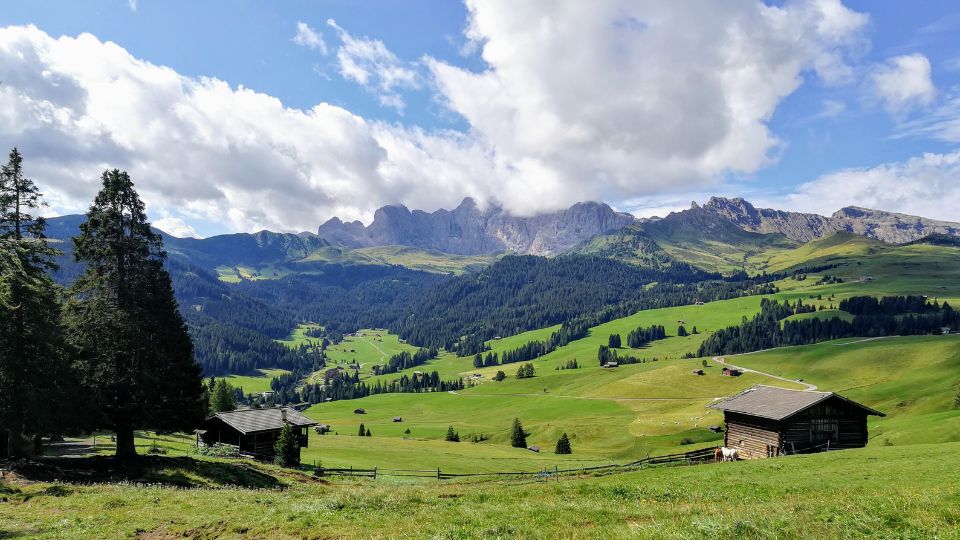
x,y
729,454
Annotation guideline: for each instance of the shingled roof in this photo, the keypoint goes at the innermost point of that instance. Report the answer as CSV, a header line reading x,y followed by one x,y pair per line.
x,y
256,420
778,403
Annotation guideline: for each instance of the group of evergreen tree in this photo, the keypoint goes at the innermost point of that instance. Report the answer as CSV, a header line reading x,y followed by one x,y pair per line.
x,y
525,371
640,337
405,360
607,355
451,436
364,431
614,341
520,293
887,316
351,387
112,351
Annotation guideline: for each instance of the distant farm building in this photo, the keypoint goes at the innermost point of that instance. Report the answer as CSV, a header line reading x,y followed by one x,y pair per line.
x,y
716,429
359,411
698,372
766,421
253,431
728,372
398,419
534,449
609,365
322,429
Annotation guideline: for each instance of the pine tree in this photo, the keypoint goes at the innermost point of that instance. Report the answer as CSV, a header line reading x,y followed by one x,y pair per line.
x,y
563,445
518,438
452,436
682,331
34,376
224,397
363,431
286,449
135,358
368,434
614,341
500,375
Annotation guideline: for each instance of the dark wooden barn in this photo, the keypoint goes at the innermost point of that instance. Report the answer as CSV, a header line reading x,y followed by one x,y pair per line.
x,y
766,421
253,431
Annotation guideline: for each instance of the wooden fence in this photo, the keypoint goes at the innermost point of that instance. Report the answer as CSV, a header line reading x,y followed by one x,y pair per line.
x,y
695,457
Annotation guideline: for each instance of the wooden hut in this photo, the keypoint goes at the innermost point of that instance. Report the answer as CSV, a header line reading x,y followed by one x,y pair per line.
x,y
253,431
765,421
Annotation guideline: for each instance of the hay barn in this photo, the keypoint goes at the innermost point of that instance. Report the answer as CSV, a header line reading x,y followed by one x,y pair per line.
x,y
253,431
766,421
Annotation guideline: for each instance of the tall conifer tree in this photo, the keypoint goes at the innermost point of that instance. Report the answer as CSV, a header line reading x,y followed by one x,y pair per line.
x,y
134,353
32,360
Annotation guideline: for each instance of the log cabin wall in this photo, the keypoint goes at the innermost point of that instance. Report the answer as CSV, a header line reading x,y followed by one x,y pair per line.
x,y
831,424
752,436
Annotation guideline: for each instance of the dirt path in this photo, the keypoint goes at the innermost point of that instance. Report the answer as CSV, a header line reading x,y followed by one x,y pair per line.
x,y
598,398
808,387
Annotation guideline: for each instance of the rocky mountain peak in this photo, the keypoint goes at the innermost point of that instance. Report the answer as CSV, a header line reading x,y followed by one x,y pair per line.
x,y
470,231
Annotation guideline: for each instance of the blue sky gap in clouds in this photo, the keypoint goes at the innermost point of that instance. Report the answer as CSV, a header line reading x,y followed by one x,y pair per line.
x,y
247,115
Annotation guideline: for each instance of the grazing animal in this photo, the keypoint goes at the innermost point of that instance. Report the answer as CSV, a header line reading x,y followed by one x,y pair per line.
x,y
718,455
729,454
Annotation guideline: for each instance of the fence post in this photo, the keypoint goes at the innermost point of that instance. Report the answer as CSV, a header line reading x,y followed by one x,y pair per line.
x,y
374,473
438,473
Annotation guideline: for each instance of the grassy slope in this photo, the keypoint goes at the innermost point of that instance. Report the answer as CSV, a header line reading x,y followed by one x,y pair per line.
x,y
890,492
253,384
615,414
911,379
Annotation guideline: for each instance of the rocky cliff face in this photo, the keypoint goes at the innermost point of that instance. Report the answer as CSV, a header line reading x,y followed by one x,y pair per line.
x,y
885,226
467,230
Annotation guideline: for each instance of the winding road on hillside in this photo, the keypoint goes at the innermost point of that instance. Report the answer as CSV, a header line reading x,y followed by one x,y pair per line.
x,y
720,360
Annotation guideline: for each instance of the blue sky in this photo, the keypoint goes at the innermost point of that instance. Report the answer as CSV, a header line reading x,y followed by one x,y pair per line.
x,y
808,105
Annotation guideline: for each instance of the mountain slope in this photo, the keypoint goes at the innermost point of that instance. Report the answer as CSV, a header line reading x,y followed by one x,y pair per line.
x,y
886,226
468,230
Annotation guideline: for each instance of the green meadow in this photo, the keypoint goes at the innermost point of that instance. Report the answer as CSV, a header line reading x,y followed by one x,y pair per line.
x,y
876,492
254,384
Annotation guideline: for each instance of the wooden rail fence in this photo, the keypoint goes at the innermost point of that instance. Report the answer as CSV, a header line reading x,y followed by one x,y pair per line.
x,y
695,457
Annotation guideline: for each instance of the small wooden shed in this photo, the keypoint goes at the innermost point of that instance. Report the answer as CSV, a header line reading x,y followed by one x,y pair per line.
x,y
766,421
253,431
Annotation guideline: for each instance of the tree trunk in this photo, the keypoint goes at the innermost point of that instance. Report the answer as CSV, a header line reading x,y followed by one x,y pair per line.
x,y
13,443
125,446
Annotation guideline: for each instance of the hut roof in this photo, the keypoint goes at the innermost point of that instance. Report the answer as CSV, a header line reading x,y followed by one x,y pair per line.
x,y
256,420
779,403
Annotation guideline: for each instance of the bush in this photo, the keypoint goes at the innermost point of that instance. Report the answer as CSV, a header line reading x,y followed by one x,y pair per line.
x,y
219,450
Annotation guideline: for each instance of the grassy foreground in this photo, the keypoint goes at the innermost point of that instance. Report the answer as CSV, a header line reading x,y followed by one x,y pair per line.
x,y
882,492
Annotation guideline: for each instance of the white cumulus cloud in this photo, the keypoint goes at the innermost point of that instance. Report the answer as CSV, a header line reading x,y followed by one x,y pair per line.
x,y
608,100
615,98
925,185
904,82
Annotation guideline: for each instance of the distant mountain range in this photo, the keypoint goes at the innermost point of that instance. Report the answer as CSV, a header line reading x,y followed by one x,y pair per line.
x,y
468,230
721,235
885,226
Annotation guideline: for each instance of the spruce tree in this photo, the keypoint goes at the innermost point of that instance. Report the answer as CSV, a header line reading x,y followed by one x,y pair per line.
x,y
135,357
34,376
518,438
563,445
286,449
362,431
224,397
368,434
452,436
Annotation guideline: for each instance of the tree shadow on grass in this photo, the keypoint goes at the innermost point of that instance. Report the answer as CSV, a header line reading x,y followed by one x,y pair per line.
x,y
183,472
